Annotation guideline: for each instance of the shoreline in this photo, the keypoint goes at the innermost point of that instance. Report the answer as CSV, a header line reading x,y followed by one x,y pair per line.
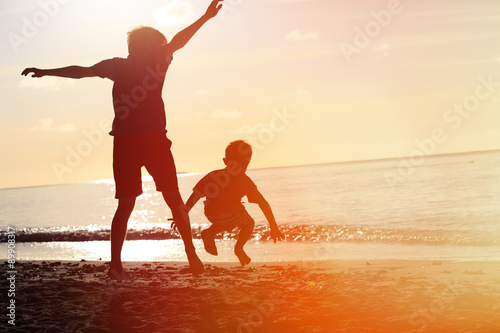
x,y
291,296
259,251
325,264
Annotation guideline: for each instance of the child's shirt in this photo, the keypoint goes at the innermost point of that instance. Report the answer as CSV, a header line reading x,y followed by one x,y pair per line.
x,y
138,83
224,192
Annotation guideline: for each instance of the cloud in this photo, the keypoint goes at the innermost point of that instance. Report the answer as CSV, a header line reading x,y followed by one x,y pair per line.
x,y
221,113
46,83
16,10
66,127
291,1
302,92
205,92
301,35
459,14
382,47
43,125
247,129
176,13
382,50
48,125
434,38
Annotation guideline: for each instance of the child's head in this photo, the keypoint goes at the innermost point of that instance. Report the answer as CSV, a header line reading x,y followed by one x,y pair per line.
x,y
142,39
239,152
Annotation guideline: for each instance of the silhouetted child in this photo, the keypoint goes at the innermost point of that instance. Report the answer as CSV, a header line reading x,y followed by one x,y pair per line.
x,y
139,128
223,190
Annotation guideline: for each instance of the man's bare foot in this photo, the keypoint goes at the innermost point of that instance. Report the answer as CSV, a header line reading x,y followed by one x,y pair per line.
x,y
242,256
118,274
209,242
195,264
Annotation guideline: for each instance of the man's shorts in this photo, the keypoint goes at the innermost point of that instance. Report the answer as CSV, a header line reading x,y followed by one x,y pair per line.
x,y
239,218
131,153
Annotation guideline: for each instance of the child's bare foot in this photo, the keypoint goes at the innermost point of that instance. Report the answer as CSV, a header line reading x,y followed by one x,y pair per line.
x,y
242,256
195,264
209,242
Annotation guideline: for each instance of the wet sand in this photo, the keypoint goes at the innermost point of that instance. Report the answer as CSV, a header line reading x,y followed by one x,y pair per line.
x,y
315,296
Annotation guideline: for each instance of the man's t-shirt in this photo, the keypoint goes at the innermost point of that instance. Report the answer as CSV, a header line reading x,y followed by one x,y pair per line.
x,y
138,83
224,191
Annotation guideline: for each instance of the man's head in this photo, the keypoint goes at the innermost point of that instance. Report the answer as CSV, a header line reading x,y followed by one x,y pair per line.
x,y
238,152
141,39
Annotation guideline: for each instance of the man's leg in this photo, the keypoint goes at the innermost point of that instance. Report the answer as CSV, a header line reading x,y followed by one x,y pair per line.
x,y
119,230
127,175
181,218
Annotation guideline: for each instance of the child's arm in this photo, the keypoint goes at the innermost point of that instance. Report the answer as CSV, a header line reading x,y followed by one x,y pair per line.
x,y
72,72
192,200
181,38
276,234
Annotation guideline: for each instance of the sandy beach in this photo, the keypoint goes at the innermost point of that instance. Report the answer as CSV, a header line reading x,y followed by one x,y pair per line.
x,y
320,296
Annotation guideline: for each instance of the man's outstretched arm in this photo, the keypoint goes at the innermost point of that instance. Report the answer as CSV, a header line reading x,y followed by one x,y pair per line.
x,y
72,72
182,37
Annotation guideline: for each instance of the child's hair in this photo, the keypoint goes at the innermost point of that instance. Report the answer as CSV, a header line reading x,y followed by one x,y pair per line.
x,y
238,149
141,39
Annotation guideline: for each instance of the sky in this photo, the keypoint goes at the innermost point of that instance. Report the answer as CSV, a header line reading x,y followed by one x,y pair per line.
x,y
304,81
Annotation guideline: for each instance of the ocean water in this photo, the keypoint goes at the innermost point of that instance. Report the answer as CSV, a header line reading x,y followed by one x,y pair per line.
x,y
437,207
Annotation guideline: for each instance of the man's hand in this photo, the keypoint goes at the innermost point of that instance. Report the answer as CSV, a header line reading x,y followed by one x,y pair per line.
x,y
71,72
213,9
183,36
36,72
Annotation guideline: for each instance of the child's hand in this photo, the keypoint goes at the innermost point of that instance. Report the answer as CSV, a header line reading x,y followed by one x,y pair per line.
x,y
213,9
36,72
277,235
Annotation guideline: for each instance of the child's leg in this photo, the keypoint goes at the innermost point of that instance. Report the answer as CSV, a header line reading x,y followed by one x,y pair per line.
x,y
208,237
246,230
181,218
119,230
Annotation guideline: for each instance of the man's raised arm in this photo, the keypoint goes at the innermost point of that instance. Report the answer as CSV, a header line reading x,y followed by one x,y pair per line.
x,y
72,72
182,37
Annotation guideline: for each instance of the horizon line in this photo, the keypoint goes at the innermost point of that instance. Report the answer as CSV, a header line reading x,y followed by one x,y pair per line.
x,y
184,173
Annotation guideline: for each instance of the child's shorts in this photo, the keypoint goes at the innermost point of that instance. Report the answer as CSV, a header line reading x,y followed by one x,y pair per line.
x,y
131,153
239,218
